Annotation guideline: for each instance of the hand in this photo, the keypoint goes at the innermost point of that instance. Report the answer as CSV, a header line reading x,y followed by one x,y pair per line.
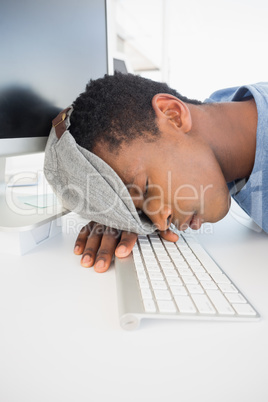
x,y
98,243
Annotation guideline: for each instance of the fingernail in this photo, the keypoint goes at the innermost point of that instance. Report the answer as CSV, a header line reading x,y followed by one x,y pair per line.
x,y
99,264
86,260
76,249
122,249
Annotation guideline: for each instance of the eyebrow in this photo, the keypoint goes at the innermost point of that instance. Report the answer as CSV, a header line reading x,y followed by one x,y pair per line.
x,y
127,184
136,189
132,180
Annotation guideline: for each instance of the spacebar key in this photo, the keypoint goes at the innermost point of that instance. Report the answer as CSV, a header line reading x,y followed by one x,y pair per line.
x,y
219,301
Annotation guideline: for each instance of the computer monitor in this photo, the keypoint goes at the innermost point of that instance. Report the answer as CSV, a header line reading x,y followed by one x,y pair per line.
x,y
49,51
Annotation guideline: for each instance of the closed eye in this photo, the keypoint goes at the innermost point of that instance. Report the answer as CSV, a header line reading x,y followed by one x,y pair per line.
x,y
146,188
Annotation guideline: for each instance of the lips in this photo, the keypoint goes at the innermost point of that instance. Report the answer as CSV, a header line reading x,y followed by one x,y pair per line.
x,y
195,222
186,223
192,221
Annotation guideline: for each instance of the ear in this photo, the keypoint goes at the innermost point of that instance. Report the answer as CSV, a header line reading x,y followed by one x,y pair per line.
x,y
173,110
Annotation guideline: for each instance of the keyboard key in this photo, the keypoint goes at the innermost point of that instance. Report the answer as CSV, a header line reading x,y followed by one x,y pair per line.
x,y
167,265
144,284
203,276
137,258
153,268
174,281
146,294
156,275
185,271
165,258
194,289
180,265
209,285
191,260
179,262
174,252
220,278
158,284
203,304
171,247
197,268
188,255
183,247
170,272
181,241
146,247
220,302
185,304
155,240
151,262
157,246
141,274
227,288
143,239
149,306
160,251
244,309
178,290
162,294
148,254
189,280
235,298
166,306
139,266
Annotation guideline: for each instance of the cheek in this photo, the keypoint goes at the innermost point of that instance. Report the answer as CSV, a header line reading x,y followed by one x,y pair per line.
x,y
185,198
216,203
209,199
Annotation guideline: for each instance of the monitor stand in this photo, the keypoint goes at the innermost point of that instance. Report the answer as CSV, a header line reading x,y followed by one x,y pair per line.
x,y
23,227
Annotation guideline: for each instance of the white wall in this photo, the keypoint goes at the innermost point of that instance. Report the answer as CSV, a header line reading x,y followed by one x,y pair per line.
x,y
208,44
215,44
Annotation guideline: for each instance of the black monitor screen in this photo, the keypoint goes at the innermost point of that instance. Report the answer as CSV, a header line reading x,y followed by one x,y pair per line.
x,y
49,51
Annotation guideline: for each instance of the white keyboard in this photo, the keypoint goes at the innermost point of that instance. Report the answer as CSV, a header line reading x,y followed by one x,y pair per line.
x,y
178,280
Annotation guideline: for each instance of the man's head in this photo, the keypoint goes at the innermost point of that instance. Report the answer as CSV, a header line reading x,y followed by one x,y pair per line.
x,y
117,109
147,133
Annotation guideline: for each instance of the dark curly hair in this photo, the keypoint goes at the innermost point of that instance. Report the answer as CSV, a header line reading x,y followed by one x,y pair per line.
x,y
117,108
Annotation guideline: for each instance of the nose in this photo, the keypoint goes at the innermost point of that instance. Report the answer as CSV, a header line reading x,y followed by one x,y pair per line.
x,y
162,219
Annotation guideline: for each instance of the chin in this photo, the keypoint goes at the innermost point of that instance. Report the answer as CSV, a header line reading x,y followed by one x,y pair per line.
x,y
223,207
221,213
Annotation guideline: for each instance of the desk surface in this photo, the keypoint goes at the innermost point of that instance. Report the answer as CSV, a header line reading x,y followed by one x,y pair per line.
x,y
61,339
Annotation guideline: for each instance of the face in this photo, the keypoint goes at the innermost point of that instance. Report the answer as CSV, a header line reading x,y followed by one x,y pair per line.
x,y
175,179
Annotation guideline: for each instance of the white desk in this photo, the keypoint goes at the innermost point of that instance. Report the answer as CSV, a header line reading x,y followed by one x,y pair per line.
x,y
61,339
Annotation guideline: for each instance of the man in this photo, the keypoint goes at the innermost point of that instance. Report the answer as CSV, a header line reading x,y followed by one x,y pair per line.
x,y
179,158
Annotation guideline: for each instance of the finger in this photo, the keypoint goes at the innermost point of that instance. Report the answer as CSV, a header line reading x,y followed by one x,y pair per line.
x,y
92,245
82,238
169,235
107,247
124,248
